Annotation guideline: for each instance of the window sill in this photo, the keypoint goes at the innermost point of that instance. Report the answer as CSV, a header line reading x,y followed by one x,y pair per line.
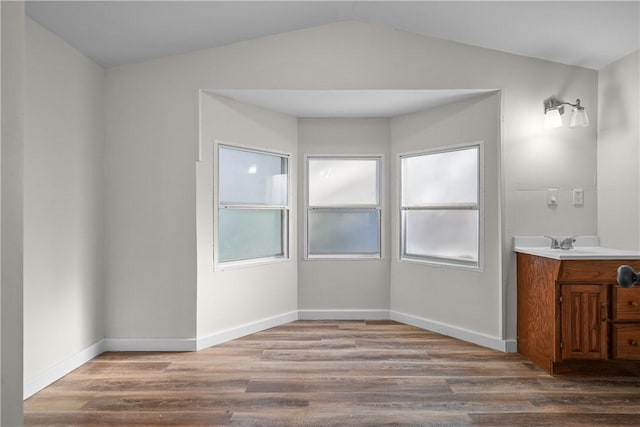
x,y
443,264
343,258
233,265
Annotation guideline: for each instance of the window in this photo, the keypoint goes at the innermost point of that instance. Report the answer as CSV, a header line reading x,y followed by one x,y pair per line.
x,y
343,210
440,206
253,205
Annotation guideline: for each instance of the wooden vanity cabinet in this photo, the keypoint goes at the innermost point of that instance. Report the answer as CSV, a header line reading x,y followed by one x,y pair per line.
x,y
573,317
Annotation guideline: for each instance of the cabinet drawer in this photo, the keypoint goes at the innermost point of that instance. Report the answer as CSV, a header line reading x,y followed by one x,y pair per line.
x,y
626,342
603,271
626,303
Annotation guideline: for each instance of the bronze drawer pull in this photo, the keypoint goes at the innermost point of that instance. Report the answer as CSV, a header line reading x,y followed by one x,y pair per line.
x,y
633,303
633,343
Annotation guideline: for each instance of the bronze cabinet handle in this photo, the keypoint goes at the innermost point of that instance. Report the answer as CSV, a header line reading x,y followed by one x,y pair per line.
x,y
633,343
633,303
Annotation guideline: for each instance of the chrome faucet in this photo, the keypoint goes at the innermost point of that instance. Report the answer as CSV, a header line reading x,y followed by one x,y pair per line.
x,y
567,243
562,244
554,242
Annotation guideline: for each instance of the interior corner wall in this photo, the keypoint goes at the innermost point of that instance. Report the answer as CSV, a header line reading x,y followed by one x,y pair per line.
x,y
238,299
344,287
619,153
455,298
63,203
12,38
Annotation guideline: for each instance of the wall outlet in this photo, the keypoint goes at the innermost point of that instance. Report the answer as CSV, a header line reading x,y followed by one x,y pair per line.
x,y
552,196
578,197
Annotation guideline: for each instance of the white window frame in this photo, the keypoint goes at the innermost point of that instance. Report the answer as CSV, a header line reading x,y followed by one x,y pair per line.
x,y
285,210
378,207
479,206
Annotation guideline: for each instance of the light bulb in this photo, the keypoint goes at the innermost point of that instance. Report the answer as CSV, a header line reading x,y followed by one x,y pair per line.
x,y
552,119
579,118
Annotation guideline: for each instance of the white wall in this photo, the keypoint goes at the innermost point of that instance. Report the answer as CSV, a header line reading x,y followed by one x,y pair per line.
x,y
619,153
152,133
12,145
63,202
330,285
234,298
150,216
458,298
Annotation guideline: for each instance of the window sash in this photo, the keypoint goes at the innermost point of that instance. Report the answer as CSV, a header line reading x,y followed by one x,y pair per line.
x,y
270,189
350,219
440,257
343,181
451,181
244,237
438,252
378,173
344,208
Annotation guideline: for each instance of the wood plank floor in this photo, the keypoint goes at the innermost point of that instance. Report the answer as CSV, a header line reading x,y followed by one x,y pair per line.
x,y
331,373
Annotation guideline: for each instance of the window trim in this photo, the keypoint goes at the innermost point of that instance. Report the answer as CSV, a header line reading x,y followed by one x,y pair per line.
x,y
434,260
379,158
285,209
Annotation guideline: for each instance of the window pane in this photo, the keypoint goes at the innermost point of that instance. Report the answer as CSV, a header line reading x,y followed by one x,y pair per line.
x,y
250,233
250,178
449,234
343,231
345,182
441,178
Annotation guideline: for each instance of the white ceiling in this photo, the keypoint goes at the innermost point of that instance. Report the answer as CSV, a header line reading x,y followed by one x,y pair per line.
x,y
590,34
347,103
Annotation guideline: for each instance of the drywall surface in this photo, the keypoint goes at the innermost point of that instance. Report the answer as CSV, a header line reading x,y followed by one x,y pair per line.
x,y
344,284
619,153
460,298
12,166
152,113
233,297
150,217
63,201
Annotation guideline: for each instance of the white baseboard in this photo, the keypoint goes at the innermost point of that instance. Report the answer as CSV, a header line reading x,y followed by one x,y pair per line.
x,y
511,346
356,314
246,329
456,332
149,344
35,384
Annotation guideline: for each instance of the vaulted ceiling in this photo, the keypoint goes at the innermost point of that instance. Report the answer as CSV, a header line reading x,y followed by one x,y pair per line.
x,y
589,34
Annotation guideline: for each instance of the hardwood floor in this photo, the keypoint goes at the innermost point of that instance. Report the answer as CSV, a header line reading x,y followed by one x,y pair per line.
x,y
332,373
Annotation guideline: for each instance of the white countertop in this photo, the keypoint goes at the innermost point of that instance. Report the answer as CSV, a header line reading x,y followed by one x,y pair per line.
x,y
585,247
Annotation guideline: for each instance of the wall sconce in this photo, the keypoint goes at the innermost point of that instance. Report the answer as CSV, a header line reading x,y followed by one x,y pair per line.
x,y
553,108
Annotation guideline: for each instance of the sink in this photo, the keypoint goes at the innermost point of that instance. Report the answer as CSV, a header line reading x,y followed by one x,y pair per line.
x,y
586,247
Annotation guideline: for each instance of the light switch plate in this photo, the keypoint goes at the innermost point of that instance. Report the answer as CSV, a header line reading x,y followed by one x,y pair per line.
x,y
578,197
552,196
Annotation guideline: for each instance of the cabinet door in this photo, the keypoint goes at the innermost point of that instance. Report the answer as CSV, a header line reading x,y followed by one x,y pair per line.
x,y
584,322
